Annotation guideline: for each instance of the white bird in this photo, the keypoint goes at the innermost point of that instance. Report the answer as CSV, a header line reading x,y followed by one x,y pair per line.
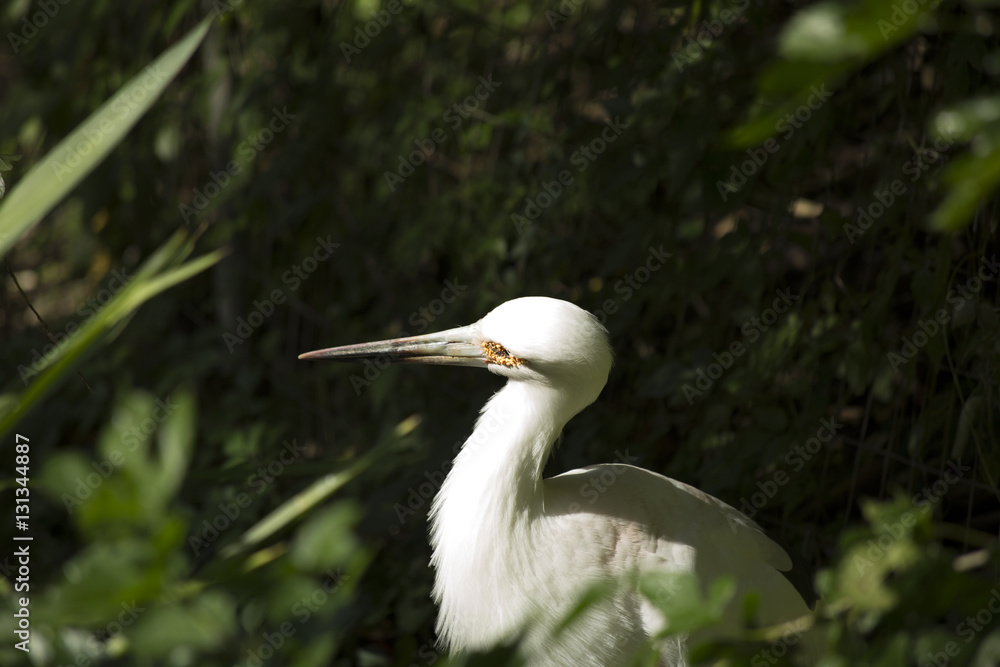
x,y
513,551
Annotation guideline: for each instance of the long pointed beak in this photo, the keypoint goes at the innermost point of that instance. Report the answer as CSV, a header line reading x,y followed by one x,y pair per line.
x,y
453,347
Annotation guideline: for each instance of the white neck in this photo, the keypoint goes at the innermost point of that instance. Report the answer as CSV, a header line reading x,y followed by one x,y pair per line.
x,y
482,520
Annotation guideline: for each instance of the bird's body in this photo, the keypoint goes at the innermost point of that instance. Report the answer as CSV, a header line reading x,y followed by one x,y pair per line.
x,y
513,553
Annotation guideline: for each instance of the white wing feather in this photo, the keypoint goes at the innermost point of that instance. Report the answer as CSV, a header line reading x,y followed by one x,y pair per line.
x,y
624,518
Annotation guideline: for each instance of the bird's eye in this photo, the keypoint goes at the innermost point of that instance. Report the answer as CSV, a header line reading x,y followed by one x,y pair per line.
x,y
498,354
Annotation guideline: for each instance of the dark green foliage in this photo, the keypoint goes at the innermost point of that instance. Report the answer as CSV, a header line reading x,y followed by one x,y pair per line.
x,y
784,214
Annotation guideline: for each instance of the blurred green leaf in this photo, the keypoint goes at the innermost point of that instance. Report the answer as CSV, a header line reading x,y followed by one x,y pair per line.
x,y
819,46
864,573
963,121
202,624
297,506
155,276
102,581
972,178
176,440
326,539
679,597
68,163
820,33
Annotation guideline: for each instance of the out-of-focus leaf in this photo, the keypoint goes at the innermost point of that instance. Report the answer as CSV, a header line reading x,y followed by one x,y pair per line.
x,y
101,581
156,275
819,46
970,412
820,32
78,154
988,650
679,597
326,539
963,121
7,161
176,440
295,507
971,179
974,176
204,623
863,573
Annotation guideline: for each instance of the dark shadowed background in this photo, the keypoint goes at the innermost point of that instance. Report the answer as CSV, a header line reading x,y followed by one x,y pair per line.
x,y
782,212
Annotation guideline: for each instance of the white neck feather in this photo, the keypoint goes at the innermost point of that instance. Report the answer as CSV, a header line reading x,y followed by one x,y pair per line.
x,y
482,520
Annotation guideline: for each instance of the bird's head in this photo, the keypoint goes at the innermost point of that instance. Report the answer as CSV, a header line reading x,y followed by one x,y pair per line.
x,y
531,339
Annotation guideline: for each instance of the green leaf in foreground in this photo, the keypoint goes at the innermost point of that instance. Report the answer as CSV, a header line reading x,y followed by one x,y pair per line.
x,y
680,598
297,506
974,176
820,46
158,274
80,152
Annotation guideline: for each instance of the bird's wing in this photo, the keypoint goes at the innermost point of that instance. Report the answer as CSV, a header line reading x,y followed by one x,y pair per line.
x,y
661,524
666,509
